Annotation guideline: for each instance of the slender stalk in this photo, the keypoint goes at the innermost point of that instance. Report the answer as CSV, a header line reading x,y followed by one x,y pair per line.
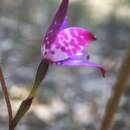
x,y
26,104
119,89
11,127
6,95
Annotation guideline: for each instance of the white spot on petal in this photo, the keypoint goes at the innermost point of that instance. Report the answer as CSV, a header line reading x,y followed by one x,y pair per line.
x,y
82,37
51,31
46,38
79,54
55,22
76,33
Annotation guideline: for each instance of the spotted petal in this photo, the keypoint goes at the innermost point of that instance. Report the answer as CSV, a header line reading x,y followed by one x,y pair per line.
x,y
78,63
55,26
68,42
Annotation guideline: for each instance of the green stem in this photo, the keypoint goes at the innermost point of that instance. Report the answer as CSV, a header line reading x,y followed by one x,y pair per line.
x,y
119,89
25,105
40,75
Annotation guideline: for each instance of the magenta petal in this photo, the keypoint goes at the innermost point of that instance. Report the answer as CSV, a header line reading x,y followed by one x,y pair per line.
x,y
68,43
78,63
57,22
91,37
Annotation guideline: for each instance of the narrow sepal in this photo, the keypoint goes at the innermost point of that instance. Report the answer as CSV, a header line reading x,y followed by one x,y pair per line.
x,y
83,63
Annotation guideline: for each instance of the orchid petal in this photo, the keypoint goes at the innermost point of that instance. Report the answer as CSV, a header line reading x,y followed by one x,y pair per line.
x,y
83,55
68,42
78,63
55,26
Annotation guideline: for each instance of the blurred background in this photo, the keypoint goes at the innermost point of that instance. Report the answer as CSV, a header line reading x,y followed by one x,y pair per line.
x,y
69,98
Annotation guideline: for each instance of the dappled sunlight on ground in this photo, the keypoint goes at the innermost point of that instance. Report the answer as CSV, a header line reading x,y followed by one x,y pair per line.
x,y
69,98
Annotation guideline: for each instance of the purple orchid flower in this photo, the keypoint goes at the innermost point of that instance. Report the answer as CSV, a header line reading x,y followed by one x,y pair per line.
x,y
63,45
